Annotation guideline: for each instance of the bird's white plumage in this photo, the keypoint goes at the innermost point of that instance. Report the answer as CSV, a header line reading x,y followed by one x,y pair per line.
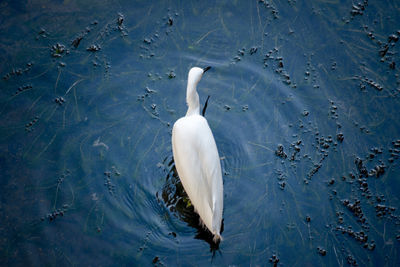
x,y
197,160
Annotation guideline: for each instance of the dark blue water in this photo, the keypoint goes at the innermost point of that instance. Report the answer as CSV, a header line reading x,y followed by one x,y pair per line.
x,y
304,102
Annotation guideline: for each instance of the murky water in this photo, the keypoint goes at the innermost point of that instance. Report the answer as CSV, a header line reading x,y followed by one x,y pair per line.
x,y
304,101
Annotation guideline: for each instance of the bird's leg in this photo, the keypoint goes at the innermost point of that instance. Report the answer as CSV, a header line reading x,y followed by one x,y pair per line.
x,y
205,107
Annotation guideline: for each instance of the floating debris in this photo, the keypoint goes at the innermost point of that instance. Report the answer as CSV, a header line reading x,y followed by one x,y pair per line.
x,y
281,179
278,66
152,41
378,170
296,149
280,153
351,260
56,213
29,126
253,50
393,38
274,260
93,48
147,93
321,251
385,48
170,21
383,210
360,167
58,50
237,58
310,74
120,24
98,143
42,33
333,111
359,8
360,236
120,19
23,89
355,209
314,170
18,71
61,178
171,74
367,81
150,91
52,216
75,43
333,66
59,100
282,185
116,172
108,183
373,84
240,54
340,137
396,143
270,7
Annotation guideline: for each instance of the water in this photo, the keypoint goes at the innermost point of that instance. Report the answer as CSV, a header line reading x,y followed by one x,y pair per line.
x,y
303,105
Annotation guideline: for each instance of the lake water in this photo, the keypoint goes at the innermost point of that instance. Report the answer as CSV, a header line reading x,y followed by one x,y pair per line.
x,y
304,106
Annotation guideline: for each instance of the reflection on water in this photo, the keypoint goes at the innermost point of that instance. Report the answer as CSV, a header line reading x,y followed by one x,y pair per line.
x,y
176,200
303,106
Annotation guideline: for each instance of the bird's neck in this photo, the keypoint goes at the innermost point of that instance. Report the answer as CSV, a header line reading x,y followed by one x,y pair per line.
x,y
192,99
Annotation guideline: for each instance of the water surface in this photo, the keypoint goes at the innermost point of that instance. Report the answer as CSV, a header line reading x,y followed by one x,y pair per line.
x,y
304,100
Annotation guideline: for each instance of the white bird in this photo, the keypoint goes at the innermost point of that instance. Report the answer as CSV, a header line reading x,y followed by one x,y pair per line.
x,y
197,160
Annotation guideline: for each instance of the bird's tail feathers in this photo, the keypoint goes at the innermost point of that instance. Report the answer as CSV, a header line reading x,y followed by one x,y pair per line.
x,y
217,238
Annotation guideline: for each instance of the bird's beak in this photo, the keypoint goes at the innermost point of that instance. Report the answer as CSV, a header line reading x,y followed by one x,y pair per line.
x,y
206,69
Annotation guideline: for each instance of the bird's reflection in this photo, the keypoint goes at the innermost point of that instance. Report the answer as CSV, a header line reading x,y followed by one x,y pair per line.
x,y
176,200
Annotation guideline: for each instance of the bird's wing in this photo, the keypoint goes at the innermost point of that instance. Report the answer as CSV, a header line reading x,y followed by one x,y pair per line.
x,y
198,165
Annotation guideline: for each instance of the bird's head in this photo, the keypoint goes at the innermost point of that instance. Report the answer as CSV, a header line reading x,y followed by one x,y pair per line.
x,y
195,74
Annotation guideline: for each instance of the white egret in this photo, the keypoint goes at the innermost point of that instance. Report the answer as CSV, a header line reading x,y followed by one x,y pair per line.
x,y
197,160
